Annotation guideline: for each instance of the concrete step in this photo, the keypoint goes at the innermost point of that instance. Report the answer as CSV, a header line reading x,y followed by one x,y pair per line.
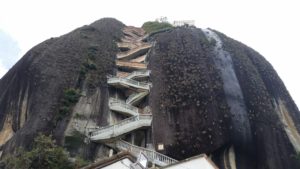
x,y
131,65
122,127
135,52
123,108
136,98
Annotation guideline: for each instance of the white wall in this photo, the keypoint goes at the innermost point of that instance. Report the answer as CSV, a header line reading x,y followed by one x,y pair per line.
x,y
123,164
195,163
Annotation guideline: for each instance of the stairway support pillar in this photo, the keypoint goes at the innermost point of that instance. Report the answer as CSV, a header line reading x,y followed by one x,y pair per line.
x,y
148,136
133,138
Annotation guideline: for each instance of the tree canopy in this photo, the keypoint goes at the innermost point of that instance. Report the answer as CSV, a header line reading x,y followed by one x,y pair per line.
x,y
44,154
150,27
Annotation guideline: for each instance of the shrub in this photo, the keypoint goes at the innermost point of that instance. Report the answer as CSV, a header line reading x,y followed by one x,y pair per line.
x,y
80,162
71,96
150,27
92,52
44,154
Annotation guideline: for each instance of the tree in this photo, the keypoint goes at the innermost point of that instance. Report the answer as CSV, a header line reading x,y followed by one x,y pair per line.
x,y
150,27
45,154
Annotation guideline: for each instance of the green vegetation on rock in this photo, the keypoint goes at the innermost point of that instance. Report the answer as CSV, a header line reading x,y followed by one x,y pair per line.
x,y
150,27
80,116
74,141
42,79
44,154
71,96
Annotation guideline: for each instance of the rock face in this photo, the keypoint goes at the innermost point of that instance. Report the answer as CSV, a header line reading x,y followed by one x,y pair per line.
x,y
32,92
187,99
210,94
214,95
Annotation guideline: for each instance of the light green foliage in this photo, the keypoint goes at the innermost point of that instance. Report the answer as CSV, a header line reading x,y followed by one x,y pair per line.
x,y
45,154
150,27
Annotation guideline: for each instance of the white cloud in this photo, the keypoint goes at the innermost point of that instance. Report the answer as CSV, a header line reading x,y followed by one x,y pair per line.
x,y
9,50
2,70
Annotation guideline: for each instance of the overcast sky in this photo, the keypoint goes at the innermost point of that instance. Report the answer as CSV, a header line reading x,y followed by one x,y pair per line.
x,y
271,27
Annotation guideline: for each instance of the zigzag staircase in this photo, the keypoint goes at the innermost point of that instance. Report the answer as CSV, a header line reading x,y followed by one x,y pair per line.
x,y
128,83
153,156
131,69
135,98
121,128
122,107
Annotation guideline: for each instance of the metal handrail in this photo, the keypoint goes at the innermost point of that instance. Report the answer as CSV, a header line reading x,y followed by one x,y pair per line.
x,y
111,100
117,102
132,96
141,72
155,157
134,50
130,81
121,123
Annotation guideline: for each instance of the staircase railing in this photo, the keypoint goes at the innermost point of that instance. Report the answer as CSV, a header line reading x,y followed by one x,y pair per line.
x,y
137,73
121,103
128,81
134,50
120,124
153,156
134,96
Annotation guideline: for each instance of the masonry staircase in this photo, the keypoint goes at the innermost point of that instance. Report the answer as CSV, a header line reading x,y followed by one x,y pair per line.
x,y
122,107
140,59
152,155
133,75
133,53
129,65
128,83
135,98
131,68
127,45
122,74
139,74
122,127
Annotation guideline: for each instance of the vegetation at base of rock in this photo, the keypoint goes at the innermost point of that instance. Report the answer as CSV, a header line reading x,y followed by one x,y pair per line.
x,y
80,162
44,154
74,141
150,27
